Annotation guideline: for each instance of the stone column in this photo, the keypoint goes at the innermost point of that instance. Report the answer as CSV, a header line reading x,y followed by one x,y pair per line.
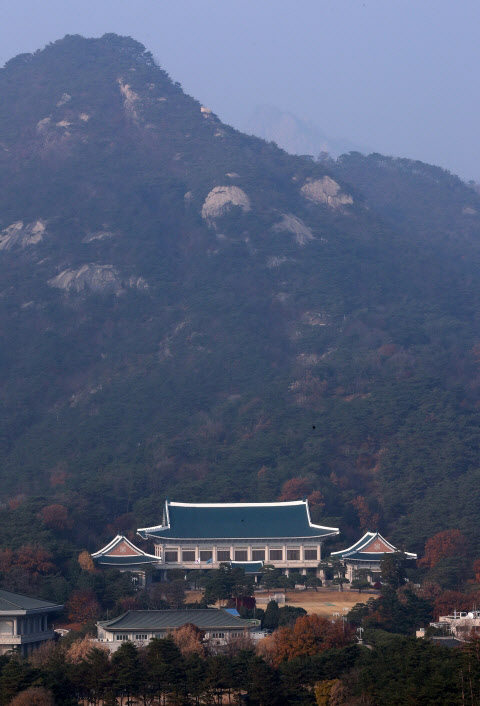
x,y
249,552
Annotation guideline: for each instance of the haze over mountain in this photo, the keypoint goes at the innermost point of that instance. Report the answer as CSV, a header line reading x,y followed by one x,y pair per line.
x,y
193,313
294,135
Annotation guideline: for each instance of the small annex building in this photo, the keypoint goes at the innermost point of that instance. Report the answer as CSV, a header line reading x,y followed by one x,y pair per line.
x,y
205,535
367,554
24,622
140,626
123,555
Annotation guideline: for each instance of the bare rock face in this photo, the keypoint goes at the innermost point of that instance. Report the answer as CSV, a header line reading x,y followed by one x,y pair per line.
x,y
98,235
326,191
221,199
64,99
276,261
308,360
137,283
93,278
96,278
315,318
130,100
19,235
296,226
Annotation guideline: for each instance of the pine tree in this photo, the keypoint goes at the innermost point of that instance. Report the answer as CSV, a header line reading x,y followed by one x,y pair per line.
x,y
126,670
272,616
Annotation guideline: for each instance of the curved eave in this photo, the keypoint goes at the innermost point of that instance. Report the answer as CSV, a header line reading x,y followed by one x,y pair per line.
x,y
162,531
170,537
136,552
374,556
367,537
130,561
364,541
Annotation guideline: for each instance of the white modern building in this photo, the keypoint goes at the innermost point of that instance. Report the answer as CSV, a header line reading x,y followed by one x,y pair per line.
x,y
24,622
140,626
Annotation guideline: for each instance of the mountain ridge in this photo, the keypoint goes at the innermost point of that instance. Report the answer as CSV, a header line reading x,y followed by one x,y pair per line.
x,y
193,312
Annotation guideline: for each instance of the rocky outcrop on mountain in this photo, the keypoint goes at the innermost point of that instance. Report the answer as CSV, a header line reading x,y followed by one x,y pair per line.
x,y
95,278
221,199
326,191
130,100
22,236
293,224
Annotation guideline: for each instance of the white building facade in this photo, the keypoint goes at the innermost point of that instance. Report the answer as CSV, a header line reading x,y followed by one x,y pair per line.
x,y
24,622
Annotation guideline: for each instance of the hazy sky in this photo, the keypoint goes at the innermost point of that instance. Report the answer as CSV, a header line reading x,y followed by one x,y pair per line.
x,y
396,75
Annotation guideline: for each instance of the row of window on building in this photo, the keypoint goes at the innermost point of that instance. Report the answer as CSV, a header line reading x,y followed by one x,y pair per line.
x,y
144,636
189,555
25,626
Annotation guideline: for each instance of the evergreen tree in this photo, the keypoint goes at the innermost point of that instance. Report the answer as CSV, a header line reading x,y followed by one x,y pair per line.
x,y
272,616
394,569
165,667
126,669
96,674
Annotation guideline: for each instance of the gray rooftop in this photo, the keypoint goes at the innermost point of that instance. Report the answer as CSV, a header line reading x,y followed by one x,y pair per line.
x,y
203,618
11,602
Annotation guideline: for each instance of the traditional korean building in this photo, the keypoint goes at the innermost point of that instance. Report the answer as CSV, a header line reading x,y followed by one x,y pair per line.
x,y
123,555
140,626
202,536
24,622
367,554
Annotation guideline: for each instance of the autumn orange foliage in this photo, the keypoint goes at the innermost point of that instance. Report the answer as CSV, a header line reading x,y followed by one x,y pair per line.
x,y
316,498
86,562
79,649
55,517
368,520
448,601
188,639
35,560
295,488
443,544
35,696
82,607
310,635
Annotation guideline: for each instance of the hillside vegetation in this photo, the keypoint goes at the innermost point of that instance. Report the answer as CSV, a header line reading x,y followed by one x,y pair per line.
x,y
189,312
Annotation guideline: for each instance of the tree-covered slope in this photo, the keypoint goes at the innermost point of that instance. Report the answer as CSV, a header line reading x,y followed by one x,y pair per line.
x,y
191,312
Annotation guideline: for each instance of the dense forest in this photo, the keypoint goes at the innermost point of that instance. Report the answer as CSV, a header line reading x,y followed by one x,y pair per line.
x,y
192,313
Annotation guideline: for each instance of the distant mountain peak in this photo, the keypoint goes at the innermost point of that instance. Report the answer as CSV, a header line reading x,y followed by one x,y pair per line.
x,y
294,135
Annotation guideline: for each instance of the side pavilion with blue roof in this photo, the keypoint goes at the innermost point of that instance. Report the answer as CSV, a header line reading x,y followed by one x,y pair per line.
x,y
202,536
123,555
367,554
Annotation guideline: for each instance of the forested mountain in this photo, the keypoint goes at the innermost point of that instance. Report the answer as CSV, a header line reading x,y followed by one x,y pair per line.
x,y
190,312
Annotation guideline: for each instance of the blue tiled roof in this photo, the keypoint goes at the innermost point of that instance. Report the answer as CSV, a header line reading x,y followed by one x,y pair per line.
x,y
237,521
355,551
250,567
126,560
